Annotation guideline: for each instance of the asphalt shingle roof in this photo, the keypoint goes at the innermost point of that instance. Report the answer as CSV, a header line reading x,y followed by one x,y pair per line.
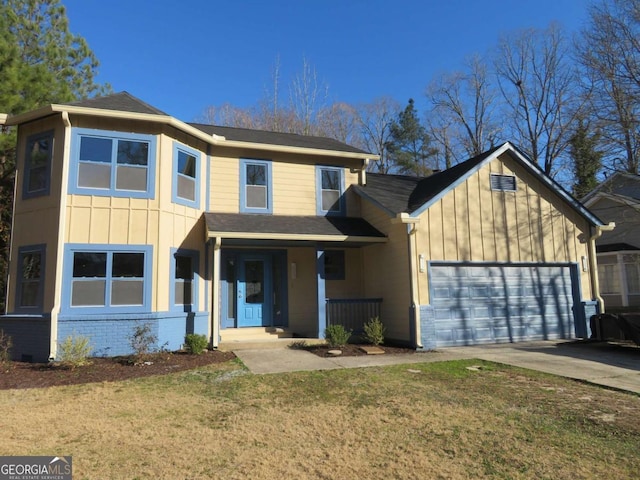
x,y
405,194
293,225
122,102
276,138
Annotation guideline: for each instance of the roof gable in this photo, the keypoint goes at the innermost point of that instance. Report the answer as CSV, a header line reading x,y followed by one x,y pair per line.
x,y
424,192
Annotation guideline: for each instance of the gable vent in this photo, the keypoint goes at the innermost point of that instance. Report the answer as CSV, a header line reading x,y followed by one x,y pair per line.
x,y
505,183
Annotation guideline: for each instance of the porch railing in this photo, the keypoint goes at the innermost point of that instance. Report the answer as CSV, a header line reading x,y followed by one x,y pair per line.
x,y
352,314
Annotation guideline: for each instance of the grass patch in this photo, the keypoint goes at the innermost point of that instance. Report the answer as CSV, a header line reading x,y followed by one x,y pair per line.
x,y
443,420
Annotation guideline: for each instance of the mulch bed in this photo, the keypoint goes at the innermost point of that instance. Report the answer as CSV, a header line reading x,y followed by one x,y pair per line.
x,y
21,375
38,375
353,350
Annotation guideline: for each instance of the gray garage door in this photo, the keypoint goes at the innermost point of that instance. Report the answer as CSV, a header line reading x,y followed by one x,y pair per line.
x,y
475,304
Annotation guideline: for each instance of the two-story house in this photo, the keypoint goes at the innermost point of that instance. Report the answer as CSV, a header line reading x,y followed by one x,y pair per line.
x,y
125,215
617,199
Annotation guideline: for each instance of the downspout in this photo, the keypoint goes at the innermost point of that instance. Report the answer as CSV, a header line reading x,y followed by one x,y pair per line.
x,y
64,187
593,263
215,314
363,172
412,244
412,237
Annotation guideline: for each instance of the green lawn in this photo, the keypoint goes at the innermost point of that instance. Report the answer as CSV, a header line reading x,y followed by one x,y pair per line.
x,y
435,420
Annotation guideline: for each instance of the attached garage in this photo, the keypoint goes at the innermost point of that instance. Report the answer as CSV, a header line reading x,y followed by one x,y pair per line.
x,y
485,303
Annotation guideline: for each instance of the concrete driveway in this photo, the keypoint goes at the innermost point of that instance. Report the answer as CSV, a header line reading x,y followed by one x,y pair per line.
x,y
609,364
615,365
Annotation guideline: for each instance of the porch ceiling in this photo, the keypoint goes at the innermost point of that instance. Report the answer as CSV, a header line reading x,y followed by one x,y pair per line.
x,y
284,229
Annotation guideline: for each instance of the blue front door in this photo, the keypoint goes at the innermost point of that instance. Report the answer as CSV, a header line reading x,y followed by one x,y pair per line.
x,y
254,291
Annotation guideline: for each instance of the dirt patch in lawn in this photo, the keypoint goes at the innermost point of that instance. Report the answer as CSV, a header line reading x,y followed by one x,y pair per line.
x,y
355,350
38,375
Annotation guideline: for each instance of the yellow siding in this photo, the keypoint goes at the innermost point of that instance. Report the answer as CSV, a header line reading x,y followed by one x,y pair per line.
x,y
225,184
36,219
293,184
530,225
303,300
386,273
157,222
294,189
351,286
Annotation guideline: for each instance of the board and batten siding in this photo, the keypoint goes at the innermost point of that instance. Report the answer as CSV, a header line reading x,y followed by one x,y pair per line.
x,y
472,223
386,273
37,219
131,221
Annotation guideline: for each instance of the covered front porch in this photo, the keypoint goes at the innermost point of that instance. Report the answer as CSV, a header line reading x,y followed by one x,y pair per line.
x,y
277,277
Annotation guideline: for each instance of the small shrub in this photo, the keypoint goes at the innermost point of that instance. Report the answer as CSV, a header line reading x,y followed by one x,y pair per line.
x,y
374,331
298,345
6,344
337,335
196,343
74,351
142,340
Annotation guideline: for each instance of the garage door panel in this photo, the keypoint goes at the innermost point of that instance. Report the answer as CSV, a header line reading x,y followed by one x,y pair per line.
x,y
485,304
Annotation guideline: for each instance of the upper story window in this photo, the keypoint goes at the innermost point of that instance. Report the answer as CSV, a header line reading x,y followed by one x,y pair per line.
x,y
37,165
330,190
255,186
112,164
186,165
505,183
30,286
183,294
108,278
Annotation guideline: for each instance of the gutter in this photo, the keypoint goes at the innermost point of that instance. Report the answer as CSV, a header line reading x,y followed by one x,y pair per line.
x,y
64,186
182,126
593,262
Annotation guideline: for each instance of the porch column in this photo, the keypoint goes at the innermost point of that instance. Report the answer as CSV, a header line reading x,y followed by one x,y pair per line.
x,y
322,297
215,294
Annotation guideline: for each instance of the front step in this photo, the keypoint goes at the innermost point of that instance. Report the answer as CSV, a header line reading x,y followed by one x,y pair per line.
x,y
253,334
258,337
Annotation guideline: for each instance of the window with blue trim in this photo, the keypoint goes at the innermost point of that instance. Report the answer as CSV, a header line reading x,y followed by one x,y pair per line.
x,y
186,165
255,186
330,189
37,165
334,265
30,288
183,294
112,164
113,278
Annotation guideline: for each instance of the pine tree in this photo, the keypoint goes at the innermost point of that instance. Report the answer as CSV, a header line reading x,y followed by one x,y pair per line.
x,y
41,62
587,159
410,147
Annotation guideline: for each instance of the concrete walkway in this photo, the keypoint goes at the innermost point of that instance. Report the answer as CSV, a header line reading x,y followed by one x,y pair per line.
x,y
611,365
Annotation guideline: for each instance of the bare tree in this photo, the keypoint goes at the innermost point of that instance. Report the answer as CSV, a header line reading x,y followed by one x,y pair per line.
x,y
375,120
538,84
307,97
609,51
462,108
339,121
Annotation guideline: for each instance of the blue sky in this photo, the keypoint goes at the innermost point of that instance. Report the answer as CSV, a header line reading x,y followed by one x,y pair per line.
x,y
181,56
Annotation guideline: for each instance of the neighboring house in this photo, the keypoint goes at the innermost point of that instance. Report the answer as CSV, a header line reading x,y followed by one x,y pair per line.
x,y
126,216
617,199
